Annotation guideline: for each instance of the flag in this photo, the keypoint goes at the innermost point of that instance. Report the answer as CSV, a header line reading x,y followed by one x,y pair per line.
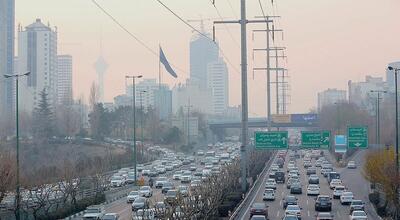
x,y
167,66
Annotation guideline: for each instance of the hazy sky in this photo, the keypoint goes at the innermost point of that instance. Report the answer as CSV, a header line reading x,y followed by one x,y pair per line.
x,y
328,41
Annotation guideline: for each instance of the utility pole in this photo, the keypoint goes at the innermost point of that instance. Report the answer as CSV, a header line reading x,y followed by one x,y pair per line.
x,y
134,123
18,186
243,42
377,115
396,71
268,67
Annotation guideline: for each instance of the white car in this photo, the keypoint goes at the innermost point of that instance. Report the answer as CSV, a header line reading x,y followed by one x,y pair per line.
x,y
334,183
146,191
337,192
177,175
293,210
270,184
269,194
346,198
358,215
313,190
132,196
117,181
94,212
145,172
351,165
186,177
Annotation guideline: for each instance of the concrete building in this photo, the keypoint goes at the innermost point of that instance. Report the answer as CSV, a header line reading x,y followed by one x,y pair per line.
x,y
122,100
64,79
37,53
199,98
202,52
360,92
7,21
218,83
330,97
156,96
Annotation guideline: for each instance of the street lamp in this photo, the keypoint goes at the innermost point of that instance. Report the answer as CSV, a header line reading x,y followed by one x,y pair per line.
x,y
377,115
142,118
18,193
396,71
134,122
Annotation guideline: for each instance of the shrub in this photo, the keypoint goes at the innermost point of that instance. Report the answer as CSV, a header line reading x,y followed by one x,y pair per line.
x,y
374,198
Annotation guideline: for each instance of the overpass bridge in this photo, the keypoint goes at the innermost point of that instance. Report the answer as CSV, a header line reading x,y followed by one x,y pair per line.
x,y
281,121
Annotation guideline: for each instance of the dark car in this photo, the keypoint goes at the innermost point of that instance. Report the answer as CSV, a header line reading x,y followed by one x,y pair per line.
x,y
295,188
323,202
272,174
167,186
289,200
324,216
311,170
313,179
280,162
280,177
259,209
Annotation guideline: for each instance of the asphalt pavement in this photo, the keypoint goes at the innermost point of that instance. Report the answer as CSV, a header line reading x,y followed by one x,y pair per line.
x,y
352,179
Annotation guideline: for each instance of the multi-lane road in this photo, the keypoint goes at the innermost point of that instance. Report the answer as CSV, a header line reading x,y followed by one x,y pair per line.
x,y
352,179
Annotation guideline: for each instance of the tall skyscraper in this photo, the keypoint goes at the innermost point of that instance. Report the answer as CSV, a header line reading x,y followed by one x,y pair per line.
x,y
64,69
7,14
101,68
218,83
202,52
37,53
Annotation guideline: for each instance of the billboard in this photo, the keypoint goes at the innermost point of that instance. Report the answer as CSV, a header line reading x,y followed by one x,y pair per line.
x,y
304,118
281,118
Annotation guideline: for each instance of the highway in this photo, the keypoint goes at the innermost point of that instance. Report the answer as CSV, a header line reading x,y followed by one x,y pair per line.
x,y
352,179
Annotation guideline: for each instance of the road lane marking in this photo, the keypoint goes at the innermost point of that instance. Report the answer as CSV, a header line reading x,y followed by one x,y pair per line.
x,y
307,202
338,214
308,212
277,214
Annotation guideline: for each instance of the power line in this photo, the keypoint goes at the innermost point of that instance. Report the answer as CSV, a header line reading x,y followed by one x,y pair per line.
x,y
225,25
233,11
202,34
137,39
123,28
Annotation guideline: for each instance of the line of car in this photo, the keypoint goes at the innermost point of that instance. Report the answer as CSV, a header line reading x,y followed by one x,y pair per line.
x,y
313,160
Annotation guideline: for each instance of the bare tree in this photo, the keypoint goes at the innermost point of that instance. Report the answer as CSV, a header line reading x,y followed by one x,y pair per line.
x,y
7,174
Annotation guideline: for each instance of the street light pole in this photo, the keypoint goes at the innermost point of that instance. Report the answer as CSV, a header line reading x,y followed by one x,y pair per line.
x,y
134,123
396,70
17,191
142,118
377,113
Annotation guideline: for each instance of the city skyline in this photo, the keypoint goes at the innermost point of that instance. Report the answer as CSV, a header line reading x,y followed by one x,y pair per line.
x,y
335,55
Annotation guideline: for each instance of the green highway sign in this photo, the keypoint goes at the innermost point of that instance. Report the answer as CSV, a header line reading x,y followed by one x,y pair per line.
x,y
357,137
271,139
315,139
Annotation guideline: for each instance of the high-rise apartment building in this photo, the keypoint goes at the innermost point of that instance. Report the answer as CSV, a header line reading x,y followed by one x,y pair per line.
x,y
64,79
37,53
218,83
7,14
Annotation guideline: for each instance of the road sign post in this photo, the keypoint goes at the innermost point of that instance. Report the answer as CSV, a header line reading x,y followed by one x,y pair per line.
x,y
315,139
271,140
357,137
